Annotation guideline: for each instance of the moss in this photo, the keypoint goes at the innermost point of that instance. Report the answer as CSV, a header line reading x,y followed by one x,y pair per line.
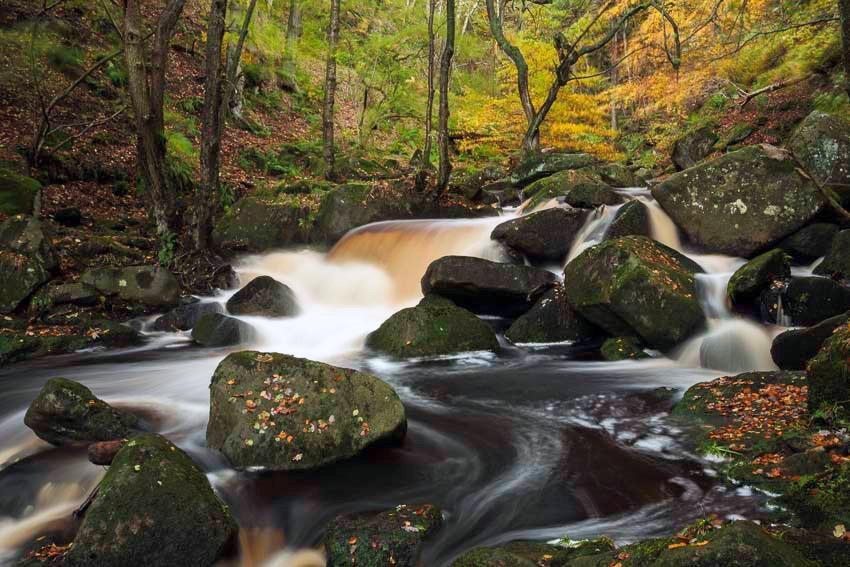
x,y
579,188
622,348
829,372
17,193
257,224
632,220
757,275
837,261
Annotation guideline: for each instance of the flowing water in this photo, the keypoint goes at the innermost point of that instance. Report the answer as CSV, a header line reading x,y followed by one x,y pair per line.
x,y
531,443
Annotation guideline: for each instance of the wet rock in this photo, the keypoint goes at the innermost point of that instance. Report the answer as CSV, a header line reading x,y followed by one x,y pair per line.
x,y
67,413
633,286
17,193
264,296
631,220
829,372
486,287
218,330
804,301
57,294
501,191
551,320
793,349
578,188
436,326
285,413
69,216
391,537
254,224
810,242
154,507
544,236
822,144
533,554
837,262
622,348
103,452
150,286
470,182
741,202
16,347
27,260
693,147
185,317
538,166
617,175
758,274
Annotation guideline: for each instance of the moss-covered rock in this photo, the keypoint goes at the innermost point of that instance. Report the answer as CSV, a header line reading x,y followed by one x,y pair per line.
x,y
837,262
693,147
17,193
622,348
829,372
804,301
56,294
155,508
581,188
533,554
150,286
544,236
631,220
757,275
185,317
436,326
793,349
469,182
551,320
810,242
741,202
67,413
633,286
377,539
284,413
540,165
256,224
219,330
821,501
617,175
27,260
822,144
264,296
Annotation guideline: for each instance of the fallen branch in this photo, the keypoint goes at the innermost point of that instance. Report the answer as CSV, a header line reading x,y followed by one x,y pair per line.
x,y
749,96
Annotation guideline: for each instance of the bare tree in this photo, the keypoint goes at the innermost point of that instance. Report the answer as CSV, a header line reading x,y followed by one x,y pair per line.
x,y
429,107
445,167
328,151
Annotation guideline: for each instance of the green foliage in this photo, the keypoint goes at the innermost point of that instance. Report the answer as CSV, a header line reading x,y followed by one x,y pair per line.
x,y
181,157
65,58
833,102
116,72
191,104
167,248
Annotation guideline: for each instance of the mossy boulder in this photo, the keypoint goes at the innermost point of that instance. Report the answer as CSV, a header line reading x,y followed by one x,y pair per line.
x,y
539,165
155,508
256,224
544,236
693,147
57,294
837,262
219,330
17,193
149,286
264,296
485,287
821,501
469,182
829,372
822,144
284,413
533,554
804,301
185,317
793,349
617,175
757,275
434,327
634,286
551,320
810,242
67,413
741,202
622,348
631,220
27,260
581,188
377,539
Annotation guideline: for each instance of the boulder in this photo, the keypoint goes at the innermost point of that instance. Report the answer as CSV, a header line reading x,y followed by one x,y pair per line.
x,y
155,508
150,286
17,193
741,202
218,330
757,275
391,537
67,413
540,165
470,182
693,147
793,349
618,175
804,301
622,348
27,260
578,188
634,286
185,317
485,287
255,224
829,372
631,220
534,554
810,242
284,413
837,262
54,295
821,143
550,320
436,326
264,296
544,236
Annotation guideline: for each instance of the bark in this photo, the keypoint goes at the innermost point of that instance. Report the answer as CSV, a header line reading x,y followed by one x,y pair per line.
x,y
328,151
212,120
445,168
232,98
844,7
293,24
429,107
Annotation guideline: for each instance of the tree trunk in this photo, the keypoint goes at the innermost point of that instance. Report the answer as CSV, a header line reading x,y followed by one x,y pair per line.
x,y
232,98
429,107
293,24
445,169
330,93
211,129
844,7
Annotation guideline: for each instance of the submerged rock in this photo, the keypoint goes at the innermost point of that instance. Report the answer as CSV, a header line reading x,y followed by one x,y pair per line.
x,y
804,301
436,326
829,372
810,242
544,236
17,193
264,296
151,286
27,260
284,413
741,202
793,349
631,220
693,147
185,317
67,413
538,166
633,286
837,262
822,145
485,287
218,330
622,348
758,274
391,537
154,507
551,320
